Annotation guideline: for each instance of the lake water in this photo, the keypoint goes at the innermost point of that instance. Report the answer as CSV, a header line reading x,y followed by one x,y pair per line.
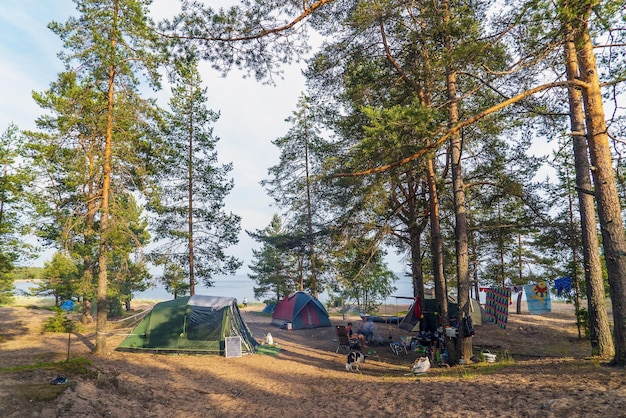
x,y
240,285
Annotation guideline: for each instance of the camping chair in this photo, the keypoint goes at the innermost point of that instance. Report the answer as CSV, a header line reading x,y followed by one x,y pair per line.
x,y
343,340
400,346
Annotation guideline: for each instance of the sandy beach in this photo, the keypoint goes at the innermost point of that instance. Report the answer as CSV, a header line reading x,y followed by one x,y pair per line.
x,y
542,369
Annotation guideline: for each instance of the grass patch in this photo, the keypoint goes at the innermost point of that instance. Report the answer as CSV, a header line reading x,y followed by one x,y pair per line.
x,y
26,393
39,392
75,366
268,350
32,302
469,371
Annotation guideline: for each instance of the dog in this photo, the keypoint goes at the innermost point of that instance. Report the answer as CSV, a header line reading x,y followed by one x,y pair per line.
x,y
355,358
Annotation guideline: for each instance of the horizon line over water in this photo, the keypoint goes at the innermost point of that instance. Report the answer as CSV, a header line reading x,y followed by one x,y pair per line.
x,y
240,285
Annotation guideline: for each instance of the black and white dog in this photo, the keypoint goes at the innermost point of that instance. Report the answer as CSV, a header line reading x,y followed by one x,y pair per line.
x,y
355,358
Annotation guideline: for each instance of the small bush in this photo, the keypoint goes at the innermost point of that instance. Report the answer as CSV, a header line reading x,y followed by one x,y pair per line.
x,y
582,321
59,323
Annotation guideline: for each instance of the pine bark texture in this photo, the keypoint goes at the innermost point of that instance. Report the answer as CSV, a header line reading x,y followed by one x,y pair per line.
x,y
464,342
599,331
609,210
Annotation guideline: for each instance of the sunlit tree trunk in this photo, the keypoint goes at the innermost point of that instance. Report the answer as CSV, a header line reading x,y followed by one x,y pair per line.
x,y
101,317
609,209
599,331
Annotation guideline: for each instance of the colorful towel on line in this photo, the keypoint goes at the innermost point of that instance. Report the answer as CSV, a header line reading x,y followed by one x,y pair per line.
x,y
497,306
538,298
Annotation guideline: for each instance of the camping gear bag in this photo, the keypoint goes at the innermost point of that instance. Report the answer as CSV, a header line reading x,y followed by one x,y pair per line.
x,y
468,327
421,365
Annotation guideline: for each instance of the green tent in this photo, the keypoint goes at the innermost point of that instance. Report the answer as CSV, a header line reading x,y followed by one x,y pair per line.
x,y
431,317
194,325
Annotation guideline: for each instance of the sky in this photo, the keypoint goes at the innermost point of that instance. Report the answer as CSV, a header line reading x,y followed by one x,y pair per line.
x,y
252,114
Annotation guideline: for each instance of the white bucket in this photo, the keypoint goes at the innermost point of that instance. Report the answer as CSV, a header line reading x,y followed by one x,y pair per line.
x,y
489,358
288,326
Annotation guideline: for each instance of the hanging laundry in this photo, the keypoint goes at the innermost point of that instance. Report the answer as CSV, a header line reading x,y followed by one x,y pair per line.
x,y
538,298
497,306
417,308
564,284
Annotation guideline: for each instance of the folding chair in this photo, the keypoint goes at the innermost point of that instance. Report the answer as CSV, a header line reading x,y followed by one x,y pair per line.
x,y
398,347
343,340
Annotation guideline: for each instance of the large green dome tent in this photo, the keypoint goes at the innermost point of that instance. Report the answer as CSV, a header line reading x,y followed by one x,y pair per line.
x,y
194,325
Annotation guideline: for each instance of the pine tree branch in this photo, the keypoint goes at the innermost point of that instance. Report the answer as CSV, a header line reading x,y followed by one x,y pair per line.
x,y
445,135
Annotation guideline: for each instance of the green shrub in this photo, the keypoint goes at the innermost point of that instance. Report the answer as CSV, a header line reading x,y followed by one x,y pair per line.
x,y
582,321
60,322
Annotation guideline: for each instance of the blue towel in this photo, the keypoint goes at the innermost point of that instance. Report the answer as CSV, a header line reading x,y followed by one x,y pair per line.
x,y
564,284
538,298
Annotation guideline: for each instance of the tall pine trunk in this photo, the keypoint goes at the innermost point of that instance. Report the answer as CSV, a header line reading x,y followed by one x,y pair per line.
x,y
88,236
441,293
464,342
190,242
309,222
101,317
599,331
609,209
416,229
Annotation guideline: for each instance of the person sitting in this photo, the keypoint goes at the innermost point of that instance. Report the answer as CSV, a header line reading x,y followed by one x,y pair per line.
x,y
366,332
352,336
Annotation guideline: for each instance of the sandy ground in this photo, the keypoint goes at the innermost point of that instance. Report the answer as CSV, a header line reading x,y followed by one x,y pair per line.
x,y
546,372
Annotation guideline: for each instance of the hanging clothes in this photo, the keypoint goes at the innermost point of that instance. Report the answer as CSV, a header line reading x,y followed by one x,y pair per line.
x,y
417,308
538,298
497,306
564,284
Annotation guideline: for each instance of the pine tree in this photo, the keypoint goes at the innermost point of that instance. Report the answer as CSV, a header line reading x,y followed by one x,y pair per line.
x,y
599,331
609,208
294,187
109,44
14,181
272,265
189,205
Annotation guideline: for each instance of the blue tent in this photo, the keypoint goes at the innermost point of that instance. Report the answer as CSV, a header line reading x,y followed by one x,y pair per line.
x,y
269,308
68,305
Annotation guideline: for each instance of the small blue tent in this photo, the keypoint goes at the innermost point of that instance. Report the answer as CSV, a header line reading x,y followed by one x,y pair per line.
x,y
68,305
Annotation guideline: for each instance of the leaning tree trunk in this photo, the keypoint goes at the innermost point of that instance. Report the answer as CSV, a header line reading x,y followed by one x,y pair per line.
x,y
599,331
609,210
